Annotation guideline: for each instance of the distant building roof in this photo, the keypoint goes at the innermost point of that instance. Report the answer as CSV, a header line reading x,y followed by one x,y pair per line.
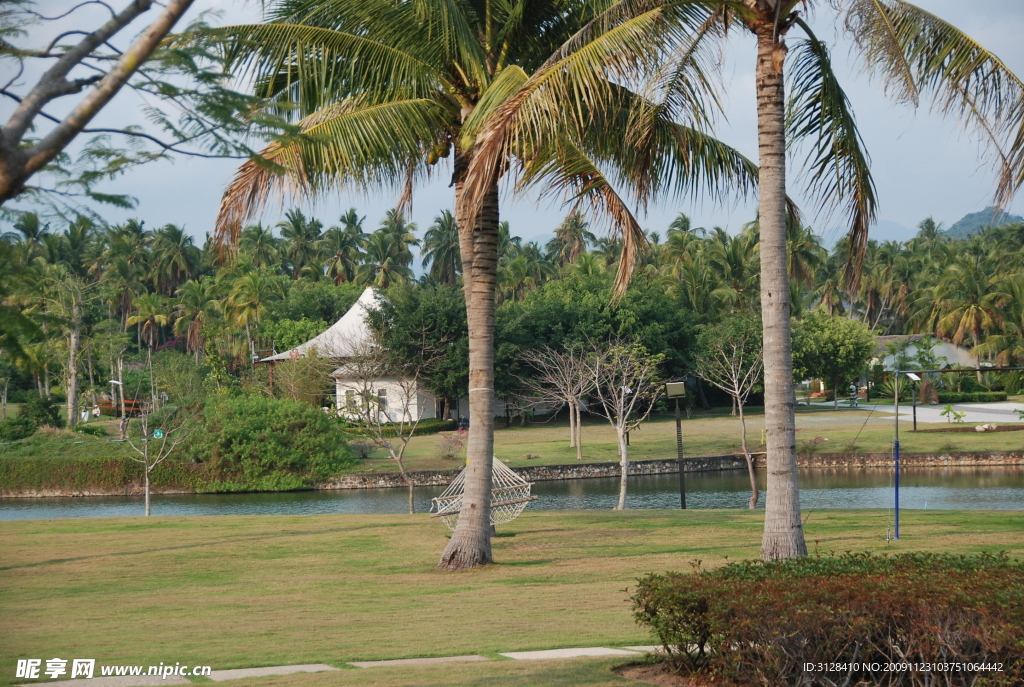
x,y
882,342
338,339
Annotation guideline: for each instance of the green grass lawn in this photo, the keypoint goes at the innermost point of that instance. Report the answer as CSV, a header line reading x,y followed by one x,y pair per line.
x,y
705,433
259,590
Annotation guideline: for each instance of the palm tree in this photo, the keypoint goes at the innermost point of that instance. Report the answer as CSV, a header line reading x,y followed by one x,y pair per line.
x,y
198,301
571,239
151,313
175,258
914,53
251,294
441,249
386,261
388,89
734,258
259,246
300,238
343,247
965,303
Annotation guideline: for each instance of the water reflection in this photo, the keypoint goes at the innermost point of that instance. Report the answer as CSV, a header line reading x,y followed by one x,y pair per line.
x,y
937,488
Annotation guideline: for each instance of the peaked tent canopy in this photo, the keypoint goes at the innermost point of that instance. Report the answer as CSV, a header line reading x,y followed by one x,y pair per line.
x,y
342,336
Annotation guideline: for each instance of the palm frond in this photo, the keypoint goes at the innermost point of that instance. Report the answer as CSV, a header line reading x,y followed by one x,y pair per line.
x,y
836,167
373,144
962,79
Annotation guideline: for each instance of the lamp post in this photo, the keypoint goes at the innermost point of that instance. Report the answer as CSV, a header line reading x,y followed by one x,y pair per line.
x,y
896,442
675,391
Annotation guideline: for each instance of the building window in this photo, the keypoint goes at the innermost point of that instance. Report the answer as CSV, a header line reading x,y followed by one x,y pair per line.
x,y
382,401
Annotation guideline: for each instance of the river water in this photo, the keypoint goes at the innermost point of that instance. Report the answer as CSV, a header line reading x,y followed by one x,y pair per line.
x,y
940,488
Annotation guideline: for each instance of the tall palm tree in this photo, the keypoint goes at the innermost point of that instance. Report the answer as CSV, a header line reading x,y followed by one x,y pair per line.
x,y
300,238
175,258
965,303
152,312
259,246
386,260
441,249
343,247
251,294
198,301
735,260
916,56
388,89
571,239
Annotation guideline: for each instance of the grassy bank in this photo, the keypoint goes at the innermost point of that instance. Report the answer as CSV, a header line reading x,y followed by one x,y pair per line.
x,y
69,461
243,591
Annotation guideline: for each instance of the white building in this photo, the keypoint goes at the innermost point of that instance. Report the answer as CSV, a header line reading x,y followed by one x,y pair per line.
x,y
396,395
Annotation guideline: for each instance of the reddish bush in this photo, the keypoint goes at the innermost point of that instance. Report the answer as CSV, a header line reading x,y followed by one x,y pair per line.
x,y
855,619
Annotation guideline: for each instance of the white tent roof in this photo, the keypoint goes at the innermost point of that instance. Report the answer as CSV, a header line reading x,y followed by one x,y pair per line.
x,y
336,341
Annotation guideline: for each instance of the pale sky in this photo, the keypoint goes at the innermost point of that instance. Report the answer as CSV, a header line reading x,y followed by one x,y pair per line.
x,y
922,165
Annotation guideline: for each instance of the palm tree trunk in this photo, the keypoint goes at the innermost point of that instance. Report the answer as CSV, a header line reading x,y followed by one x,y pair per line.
x,y
74,343
783,530
470,544
623,467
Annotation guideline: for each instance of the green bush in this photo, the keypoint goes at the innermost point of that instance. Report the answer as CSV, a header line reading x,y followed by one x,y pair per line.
x,y
91,430
972,396
41,411
791,621
254,443
424,428
17,428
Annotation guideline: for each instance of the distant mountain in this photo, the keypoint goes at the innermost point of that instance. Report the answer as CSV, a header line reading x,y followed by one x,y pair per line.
x,y
976,221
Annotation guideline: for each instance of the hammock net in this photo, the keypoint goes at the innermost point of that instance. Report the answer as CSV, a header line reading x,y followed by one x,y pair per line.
x,y
510,495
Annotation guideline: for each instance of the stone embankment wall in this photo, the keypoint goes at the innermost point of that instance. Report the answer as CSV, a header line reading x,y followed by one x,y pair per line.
x,y
542,473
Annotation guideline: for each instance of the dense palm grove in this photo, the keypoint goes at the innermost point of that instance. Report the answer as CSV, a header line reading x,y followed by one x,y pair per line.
x,y
83,298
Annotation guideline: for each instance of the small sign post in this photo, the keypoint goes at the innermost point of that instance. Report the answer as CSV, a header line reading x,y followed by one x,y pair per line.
x,y
158,434
677,390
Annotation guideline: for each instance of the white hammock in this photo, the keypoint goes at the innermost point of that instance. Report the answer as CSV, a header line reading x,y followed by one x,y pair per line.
x,y
510,495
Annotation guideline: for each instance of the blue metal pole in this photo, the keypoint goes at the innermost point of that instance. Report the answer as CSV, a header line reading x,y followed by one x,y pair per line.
x,y
896,448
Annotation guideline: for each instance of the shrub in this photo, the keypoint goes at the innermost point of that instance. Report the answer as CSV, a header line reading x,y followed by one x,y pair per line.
x,y
424,428
452,445
259,444
91,430
971,396
785,622
17,428
41,411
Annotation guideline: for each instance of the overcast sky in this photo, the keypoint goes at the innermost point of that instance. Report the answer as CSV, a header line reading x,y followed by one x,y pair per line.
x,y
922,165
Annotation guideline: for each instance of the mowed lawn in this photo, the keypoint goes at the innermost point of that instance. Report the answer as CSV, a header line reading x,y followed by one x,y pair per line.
x,y
704,433
247,591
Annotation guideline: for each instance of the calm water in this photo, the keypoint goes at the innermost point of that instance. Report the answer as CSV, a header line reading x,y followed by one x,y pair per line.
x,y
942,488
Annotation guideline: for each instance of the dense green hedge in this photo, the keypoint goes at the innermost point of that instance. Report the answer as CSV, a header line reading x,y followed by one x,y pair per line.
x,y
237,444
971,397
424,428
854,619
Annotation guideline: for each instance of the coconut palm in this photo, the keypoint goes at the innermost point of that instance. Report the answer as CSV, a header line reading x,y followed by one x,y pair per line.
x,y
259,247
387,89
343,247
571,239
198,301
251,294
175,258
386,260
300,242
916,56
965,305
152,312
441,249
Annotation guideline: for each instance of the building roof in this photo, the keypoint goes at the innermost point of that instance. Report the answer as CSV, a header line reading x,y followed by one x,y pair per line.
x,y
351,331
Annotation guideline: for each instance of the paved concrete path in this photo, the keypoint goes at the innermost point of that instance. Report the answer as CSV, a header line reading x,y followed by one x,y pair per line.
x,y
239,673
222,675
416,661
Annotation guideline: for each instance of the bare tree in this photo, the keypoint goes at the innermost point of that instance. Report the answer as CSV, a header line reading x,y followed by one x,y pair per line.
x,y
304,378
562,378
152,449
383,394
627,384
730,356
